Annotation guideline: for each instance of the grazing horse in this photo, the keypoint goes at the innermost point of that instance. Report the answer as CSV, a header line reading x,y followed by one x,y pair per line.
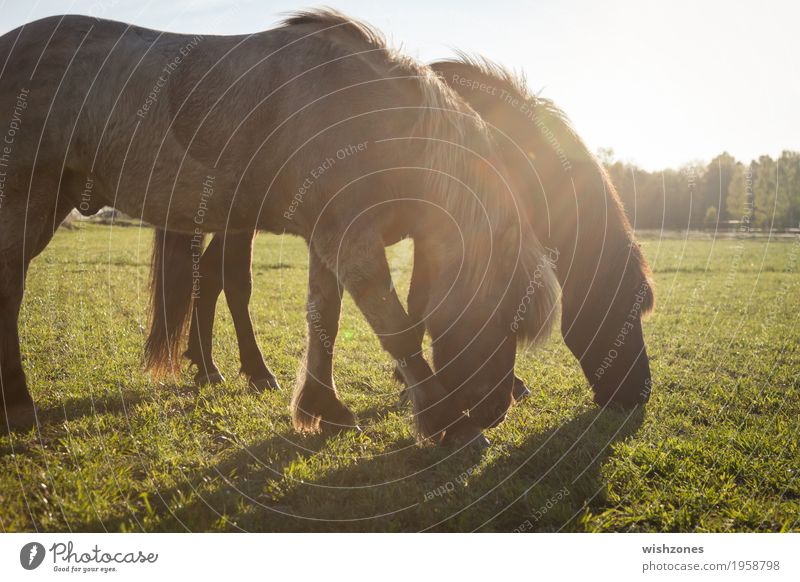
x,y
240,133
606,284
605,280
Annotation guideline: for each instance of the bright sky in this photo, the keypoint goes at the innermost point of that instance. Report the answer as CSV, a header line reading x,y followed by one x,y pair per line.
x,y
662,83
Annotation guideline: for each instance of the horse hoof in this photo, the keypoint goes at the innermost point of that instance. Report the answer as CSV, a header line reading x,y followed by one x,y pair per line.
x,y
265,383
520,391
338,418
201,379
19,418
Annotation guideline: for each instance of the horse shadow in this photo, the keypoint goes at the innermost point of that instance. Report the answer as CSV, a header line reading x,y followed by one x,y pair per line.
x,y
545,482
556,476
51,417
110,402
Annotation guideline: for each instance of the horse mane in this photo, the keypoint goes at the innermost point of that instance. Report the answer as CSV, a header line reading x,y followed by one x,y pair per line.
x,y
454,135
450,118
546,111
444,118
626,259
335,23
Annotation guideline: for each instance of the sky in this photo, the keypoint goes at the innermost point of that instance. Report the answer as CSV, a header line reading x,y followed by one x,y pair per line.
x,y
661,83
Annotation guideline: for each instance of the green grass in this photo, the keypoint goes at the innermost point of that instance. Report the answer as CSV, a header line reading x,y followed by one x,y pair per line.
x,y
716,450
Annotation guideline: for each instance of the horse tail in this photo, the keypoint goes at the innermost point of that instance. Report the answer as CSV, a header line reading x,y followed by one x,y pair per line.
x,y
171,283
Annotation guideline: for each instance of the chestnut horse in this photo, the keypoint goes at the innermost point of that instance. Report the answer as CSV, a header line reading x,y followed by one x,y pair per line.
x,y
576,213
237,134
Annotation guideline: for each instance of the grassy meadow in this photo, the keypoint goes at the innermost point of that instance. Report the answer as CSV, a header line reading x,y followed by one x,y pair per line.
x,y
715,450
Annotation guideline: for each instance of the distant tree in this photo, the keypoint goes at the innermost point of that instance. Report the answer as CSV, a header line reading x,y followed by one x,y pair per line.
x,y
739,201
713,187
765,193
696,205
606,156
789,184
711,217
762,194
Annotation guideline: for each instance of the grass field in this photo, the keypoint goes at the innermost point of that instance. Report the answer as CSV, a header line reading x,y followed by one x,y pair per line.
x,y
715,450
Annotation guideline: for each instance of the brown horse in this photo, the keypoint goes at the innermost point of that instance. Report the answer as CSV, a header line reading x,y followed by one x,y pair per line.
x,y
605,280
241,133
575,210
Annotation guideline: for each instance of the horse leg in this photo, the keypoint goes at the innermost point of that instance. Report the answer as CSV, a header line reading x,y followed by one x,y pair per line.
x,y
417,301
238,284
362,267
201,332
18,411
315,401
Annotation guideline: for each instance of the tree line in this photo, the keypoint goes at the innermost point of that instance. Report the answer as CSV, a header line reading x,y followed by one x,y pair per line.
x,y
725,194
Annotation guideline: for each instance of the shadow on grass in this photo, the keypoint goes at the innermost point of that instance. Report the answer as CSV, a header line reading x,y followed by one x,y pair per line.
x,y
109,402
321,483
554,477
52,417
